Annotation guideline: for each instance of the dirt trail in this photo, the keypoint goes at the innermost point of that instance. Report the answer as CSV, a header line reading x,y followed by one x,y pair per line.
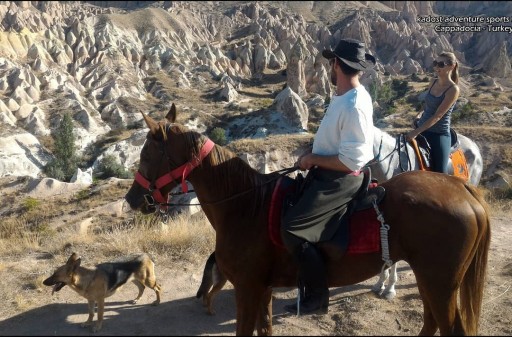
x,y
353,310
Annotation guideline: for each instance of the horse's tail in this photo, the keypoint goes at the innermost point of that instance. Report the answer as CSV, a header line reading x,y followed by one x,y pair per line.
x,y
471,290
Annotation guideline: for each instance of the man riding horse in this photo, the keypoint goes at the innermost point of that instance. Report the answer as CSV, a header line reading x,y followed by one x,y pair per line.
x,y
342,146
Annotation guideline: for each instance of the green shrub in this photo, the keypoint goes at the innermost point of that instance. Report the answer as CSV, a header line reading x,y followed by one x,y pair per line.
x,y
390,109
400,87
30,203
463,112
218,136
108,167
388,93
54,170
81,195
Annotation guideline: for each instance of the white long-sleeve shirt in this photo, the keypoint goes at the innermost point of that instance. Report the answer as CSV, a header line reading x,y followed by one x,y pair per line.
x,y
347,129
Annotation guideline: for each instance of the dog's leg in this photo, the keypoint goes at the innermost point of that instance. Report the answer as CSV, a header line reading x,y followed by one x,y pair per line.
x,y
151,283
207,280
101,310
141,290
157,288
216,288
211,276
91,304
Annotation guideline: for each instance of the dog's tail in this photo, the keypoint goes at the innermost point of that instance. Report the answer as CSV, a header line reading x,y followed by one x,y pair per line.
x,y
207,281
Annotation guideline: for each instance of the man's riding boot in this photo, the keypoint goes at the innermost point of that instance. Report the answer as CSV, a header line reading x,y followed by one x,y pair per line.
x,y
313,275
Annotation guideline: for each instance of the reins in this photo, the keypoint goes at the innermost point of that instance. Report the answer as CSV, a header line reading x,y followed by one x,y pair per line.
x,y
400,142
280,173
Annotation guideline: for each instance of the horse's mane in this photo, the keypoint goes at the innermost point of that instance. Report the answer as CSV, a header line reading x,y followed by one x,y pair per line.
x,y
232,176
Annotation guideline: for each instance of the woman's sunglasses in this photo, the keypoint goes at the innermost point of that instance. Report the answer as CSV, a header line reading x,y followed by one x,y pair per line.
x,y
441,64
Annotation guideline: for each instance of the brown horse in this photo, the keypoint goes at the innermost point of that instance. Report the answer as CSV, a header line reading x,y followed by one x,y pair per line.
x,y
438,223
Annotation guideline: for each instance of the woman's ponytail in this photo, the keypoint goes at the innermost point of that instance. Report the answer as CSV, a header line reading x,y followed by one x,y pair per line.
x,y
453,60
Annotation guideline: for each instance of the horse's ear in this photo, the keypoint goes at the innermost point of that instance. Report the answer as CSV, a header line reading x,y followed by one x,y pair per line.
x,y
152,124
171,115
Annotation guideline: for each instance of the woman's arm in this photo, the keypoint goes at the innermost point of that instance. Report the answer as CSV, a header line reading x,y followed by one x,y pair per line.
x,y
450,98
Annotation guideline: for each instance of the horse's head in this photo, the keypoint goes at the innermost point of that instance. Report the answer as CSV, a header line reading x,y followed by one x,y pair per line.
x,y
167,157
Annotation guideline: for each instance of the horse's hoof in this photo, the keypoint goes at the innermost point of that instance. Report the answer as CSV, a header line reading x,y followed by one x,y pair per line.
x,y
389,295
378,289
85,324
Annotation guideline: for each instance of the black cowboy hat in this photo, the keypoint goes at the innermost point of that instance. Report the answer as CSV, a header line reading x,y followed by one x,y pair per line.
x,y
351,52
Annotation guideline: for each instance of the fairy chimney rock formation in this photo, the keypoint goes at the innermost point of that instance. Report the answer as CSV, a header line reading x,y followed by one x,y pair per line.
x,y
291,106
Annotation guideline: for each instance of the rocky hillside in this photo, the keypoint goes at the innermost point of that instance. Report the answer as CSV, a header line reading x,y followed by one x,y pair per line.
x,y
251,68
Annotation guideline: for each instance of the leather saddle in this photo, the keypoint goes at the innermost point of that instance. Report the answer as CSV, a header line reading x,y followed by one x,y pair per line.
x,y
425,150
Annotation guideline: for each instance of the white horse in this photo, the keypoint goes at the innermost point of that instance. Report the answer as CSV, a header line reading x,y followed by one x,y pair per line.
x,y
394,156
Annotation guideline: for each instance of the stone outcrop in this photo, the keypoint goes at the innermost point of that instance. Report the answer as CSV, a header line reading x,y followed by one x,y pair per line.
x,y
291,106
97,59
21,154
497,64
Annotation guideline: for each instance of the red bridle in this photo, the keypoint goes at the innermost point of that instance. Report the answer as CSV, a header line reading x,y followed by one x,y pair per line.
x,y
181,172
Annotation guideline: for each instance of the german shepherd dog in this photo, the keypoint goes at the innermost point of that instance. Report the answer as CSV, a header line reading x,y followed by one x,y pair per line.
x,y
104,280
211,277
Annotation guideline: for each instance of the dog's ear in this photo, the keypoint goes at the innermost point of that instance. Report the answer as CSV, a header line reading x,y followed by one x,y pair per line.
x,y
72,258
76,264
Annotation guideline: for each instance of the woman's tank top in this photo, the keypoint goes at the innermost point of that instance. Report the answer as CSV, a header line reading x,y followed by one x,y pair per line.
x,y
431,104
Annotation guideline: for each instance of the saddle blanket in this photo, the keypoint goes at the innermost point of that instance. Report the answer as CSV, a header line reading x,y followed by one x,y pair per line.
x,y
363,225
460,166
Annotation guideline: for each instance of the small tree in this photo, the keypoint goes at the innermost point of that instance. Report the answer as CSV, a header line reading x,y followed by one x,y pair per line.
x,y
65,163
415,77
400,87
374,91
218,136
109,166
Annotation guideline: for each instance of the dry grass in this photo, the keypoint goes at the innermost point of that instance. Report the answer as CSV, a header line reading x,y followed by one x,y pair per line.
x,y
33,242
181,238
52,227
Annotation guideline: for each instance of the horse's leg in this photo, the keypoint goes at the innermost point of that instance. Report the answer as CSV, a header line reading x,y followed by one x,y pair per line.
x,y
441,298
379,286
429,323
264,322
447,314
248,306
389,293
